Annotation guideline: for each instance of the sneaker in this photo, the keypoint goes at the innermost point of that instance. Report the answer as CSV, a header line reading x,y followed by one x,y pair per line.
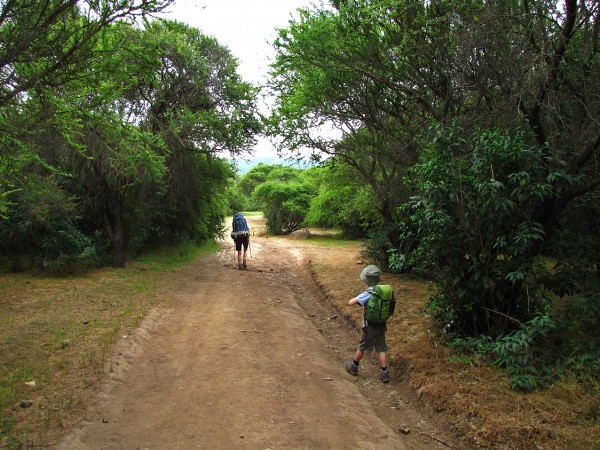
x,y
239,266
245,265
385,375
352,368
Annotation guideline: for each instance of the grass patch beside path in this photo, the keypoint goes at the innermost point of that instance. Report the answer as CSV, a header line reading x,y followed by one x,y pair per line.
x,y
56,334
328,242
477,398
174,257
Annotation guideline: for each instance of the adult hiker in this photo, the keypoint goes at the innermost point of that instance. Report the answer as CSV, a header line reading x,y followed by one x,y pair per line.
x,y
240,233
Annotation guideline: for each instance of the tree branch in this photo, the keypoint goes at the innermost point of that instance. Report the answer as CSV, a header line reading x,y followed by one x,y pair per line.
x,y
534,113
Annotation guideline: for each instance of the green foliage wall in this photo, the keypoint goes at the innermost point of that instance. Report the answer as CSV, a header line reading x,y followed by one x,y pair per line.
x,y
284,194
343,201
128,140
473,203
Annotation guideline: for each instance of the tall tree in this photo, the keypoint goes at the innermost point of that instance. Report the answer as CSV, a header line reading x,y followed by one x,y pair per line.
x,y
184,106
371,71
47,44
200,107
379,73
140,133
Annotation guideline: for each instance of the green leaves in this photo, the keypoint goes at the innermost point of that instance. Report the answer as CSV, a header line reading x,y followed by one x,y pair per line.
x,y
132,122
343,201
49,43
521,353
286,196
472,211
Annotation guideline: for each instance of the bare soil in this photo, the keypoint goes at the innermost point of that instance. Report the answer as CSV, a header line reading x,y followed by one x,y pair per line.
x,y
252,359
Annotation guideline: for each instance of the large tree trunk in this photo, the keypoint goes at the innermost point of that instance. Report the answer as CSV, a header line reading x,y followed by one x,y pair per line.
x,y
112,221
391,228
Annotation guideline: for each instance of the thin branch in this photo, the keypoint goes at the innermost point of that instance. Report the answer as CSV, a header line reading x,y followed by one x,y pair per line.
x,y
502,314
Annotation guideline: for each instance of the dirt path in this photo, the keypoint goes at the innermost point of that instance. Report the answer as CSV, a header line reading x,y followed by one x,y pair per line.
x,y
247,359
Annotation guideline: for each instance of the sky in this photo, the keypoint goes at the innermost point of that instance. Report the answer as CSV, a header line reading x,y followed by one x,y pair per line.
x,y
247,28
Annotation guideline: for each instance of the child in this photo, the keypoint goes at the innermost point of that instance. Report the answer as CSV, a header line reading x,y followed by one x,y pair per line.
x,y
372,335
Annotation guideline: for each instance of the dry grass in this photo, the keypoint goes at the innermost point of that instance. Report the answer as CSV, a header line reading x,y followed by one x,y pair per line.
x,y
57,332
478,399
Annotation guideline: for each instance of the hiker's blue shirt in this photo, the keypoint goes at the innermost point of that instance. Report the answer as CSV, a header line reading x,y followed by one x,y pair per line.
x,y
363,298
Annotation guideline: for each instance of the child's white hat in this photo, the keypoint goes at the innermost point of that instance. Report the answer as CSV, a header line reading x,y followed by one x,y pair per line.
x,y
370,275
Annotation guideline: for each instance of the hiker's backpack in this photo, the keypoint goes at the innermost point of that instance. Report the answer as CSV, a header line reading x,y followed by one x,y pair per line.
x,y
239,226
381,304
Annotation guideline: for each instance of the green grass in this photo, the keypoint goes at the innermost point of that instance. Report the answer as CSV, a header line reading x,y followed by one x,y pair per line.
x,y
331,241
173,257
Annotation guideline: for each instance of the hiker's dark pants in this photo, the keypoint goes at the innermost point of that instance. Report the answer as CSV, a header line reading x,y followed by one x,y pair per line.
x,y
241,240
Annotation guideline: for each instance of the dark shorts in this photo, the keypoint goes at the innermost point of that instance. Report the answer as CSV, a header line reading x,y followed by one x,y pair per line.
x,y
373,336
241,240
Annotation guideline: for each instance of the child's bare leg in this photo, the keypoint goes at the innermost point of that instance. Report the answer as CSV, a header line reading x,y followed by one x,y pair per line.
x,y
359,355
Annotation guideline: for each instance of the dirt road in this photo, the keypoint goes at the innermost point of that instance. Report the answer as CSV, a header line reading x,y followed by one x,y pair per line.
x,y
251,360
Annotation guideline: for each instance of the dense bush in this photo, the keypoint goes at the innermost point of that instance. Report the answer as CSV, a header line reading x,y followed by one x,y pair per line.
x,y
259,174
236,200
526,300
42,226
285,204
343,201
472,208
377,247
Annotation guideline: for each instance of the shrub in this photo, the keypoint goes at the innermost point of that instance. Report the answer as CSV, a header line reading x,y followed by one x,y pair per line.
x,y
286,204
376,247
472,208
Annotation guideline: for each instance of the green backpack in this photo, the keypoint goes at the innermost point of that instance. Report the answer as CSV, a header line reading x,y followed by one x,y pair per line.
x,y
381,304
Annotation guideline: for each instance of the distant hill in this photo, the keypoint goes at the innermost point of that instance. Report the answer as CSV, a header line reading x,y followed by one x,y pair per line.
x,y
244,165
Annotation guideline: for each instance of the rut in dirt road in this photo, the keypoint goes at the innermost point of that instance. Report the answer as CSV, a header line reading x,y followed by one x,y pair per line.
x,y
235,361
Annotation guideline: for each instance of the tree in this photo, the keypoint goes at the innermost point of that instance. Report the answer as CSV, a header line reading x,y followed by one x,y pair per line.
x,y
539,69
382,72
285,194
286,204
114,163
473,206
192,104
200,107
343,200
371,71
236,199
260,174
138,134
49,43
45,45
